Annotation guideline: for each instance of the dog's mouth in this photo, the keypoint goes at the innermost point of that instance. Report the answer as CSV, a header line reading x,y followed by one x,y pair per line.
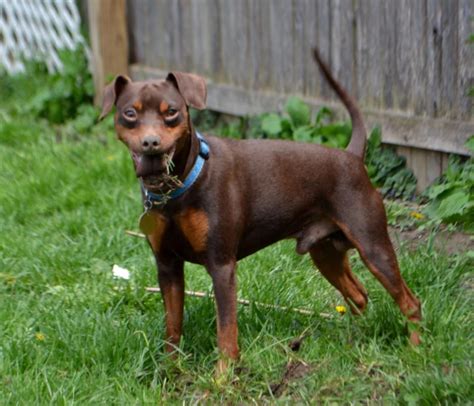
x,y
153,169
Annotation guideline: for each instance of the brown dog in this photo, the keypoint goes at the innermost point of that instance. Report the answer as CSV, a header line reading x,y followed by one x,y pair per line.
x,y
246,195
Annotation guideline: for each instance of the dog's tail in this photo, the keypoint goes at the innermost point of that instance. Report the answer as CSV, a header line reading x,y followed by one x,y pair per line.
x,y
359,133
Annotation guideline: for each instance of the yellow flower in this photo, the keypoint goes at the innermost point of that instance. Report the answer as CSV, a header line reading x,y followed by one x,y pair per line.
x,y
417,215
40,336
341,309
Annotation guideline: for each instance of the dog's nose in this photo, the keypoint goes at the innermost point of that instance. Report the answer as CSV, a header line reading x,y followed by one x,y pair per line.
x,y
151,143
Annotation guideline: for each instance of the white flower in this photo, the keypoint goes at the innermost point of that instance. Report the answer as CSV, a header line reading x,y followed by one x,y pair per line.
x,y
119,272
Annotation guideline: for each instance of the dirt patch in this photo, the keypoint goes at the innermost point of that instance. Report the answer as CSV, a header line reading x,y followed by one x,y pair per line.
x,y
294,370
449,242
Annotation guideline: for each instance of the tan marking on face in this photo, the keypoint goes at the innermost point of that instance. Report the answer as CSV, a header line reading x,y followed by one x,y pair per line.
x,y
195,226
137,105
164,106
157,236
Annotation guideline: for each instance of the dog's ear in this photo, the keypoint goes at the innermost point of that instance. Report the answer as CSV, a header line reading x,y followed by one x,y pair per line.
x,y
192,87
112,92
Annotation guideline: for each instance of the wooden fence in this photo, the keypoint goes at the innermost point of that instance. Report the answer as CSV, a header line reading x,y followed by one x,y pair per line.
x,y
406,61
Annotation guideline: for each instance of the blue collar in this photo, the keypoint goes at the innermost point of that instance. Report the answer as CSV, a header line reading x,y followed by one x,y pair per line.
x,y
154,199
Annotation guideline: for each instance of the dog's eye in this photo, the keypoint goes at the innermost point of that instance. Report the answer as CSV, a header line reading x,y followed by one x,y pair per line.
x,y
171,114
130,114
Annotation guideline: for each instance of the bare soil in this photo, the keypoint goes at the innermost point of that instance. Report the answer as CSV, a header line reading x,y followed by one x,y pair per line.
x,y
294,370
446,241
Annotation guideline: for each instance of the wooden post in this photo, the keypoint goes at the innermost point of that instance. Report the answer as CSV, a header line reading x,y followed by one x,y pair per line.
x,y
109,41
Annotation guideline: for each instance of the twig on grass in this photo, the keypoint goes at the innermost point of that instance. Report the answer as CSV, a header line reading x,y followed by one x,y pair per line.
x,y
135,234
246,302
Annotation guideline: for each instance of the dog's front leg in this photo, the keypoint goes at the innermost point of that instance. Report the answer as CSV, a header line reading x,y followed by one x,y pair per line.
x,y
171,281
225,291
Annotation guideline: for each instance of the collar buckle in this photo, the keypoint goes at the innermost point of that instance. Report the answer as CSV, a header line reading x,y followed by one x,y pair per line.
x,y
203,146
147,203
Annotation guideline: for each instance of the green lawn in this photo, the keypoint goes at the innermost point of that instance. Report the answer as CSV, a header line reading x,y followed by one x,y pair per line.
x,y
70,333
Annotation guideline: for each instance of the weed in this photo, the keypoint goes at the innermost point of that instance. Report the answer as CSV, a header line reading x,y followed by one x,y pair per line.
x,y
387,170
56,97
451,198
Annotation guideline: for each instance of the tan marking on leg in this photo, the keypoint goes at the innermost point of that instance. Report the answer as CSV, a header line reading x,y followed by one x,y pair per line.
x,y
335,267
172,290
195,226
156,237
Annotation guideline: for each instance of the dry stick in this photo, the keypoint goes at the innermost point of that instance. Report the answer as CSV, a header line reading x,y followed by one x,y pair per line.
x,y
244,302
135,234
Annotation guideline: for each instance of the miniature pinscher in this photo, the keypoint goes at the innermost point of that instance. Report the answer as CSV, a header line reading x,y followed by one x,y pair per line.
x,y
232,198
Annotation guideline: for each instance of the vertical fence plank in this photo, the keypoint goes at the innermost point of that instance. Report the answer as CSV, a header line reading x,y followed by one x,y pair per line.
x,y
256,63
134,13
418,165
281,46
408,84
200,37
310,25
450,59
226,33
324,24
466,58
342,60
301,47
186,37
443,58
434,166
405,152
389,59
369,33
215,63
159,37
433,29
173,27
109,40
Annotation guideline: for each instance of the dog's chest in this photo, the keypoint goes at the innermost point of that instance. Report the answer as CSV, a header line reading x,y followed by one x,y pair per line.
x,y
185,233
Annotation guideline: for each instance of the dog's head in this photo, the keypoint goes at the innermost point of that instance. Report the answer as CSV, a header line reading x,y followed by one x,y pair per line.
x,y
152,118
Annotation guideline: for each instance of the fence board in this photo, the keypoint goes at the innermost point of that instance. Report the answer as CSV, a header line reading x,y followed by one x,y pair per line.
x,y
311,82
300,46
466,57
342,60
324,43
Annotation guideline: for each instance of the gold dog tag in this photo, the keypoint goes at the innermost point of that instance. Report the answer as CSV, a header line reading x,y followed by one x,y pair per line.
x,y
147,223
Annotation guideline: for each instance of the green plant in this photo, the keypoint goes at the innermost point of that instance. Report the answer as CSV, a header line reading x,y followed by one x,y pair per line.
x,y
297,125
56,97
387,170
451,198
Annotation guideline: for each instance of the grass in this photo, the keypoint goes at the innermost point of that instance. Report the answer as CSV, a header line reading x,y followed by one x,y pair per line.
x,y
71,334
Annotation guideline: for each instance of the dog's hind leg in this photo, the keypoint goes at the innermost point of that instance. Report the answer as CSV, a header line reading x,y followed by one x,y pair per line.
x,y
366,227
333,263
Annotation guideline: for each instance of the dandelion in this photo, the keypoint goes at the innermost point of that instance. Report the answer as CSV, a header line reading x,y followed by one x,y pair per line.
x,y
40,336
341,309
417,215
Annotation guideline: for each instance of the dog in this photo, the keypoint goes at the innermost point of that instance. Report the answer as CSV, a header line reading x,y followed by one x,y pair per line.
x,y
231,198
